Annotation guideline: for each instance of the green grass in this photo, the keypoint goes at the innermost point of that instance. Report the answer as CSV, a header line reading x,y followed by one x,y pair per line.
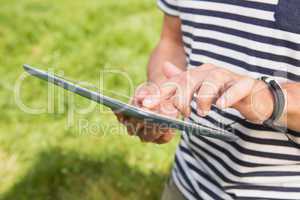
x,y
47,155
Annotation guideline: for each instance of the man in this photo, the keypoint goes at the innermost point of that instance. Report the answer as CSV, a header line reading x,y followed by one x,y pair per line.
x,y
208,66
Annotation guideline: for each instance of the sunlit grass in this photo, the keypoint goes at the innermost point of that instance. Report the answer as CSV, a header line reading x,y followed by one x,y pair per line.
x,y
49,156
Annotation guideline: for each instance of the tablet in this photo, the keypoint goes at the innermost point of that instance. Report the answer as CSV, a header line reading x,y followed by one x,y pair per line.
x,y
130,110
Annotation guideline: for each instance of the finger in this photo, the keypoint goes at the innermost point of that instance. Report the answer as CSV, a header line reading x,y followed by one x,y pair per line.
x,y
165,138
130,129
139,97
167,108
149,133
207,94
134,129
141,93
190,86
133,126
139,127
205,97
236,92
145,90
182,86
170,70
151,102
119,116
184,95
176,81
167,89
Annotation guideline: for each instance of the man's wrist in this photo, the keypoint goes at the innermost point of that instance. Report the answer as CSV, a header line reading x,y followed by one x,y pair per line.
x,y
262,101
279,104
292,95
258,105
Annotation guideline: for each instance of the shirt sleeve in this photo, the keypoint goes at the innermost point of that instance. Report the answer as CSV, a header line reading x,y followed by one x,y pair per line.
x,y
169,7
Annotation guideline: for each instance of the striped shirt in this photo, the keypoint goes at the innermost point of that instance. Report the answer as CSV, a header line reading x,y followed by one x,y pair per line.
x,y
255,38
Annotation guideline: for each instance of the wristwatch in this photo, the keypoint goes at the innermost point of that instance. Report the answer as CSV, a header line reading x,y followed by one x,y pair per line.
x,y
279,106
279,102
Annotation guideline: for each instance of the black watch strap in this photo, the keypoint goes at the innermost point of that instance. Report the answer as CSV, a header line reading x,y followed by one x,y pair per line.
x,y
279,101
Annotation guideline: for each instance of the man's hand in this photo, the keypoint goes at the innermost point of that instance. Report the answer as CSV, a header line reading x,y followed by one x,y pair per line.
x,y
145,130
209,85
170,47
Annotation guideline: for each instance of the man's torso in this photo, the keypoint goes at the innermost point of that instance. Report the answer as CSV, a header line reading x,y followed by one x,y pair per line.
x,y
254,38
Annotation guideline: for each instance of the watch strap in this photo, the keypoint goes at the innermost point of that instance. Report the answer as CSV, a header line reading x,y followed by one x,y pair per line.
x,y
279,101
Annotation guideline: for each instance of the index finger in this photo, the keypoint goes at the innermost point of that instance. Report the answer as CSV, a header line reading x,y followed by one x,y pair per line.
x,y
167,90
143,91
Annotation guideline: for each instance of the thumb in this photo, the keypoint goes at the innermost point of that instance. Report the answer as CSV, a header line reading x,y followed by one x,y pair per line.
x,y
170,70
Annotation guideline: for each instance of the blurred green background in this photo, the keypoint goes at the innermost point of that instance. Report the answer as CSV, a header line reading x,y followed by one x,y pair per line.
x,y
47,156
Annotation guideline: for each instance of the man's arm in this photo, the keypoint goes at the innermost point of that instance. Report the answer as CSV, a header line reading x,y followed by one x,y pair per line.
x,y
169,48
224,88
263,98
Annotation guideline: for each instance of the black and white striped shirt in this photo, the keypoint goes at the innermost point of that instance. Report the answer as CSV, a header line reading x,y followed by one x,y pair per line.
x,y
252,37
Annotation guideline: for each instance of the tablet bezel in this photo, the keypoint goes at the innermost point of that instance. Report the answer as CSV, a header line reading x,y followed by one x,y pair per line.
x,y
130,110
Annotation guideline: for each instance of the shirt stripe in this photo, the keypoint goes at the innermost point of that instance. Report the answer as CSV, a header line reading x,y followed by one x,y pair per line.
x,y
243,36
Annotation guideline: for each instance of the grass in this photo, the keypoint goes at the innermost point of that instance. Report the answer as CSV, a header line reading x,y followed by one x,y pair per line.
x,y
49,155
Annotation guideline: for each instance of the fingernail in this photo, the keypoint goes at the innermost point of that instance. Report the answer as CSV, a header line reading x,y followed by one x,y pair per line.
x,y
202,113
147,102
221,103
150,102
199,112
205,112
